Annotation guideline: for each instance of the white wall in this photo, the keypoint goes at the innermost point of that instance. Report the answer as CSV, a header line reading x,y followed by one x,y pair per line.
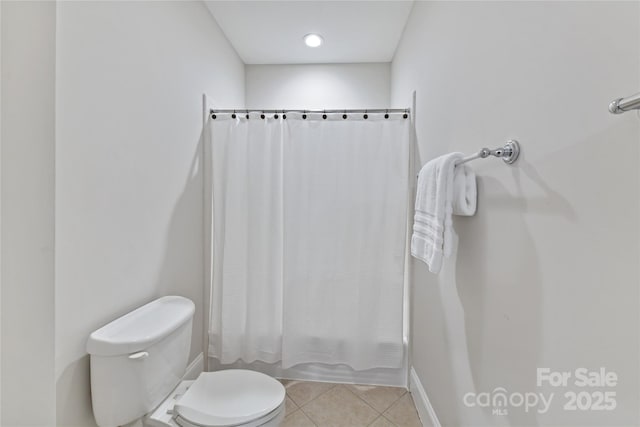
x,y
318,86
546,273
129,224
27,207
0,214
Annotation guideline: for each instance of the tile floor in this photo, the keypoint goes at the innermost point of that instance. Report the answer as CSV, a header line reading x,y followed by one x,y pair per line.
x,y
342,405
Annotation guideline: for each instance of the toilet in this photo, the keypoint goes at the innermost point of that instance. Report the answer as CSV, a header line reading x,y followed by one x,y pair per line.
x,y
137,366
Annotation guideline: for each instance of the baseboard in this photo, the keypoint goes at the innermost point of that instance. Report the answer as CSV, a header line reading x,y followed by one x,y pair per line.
x,y
195,368
425,410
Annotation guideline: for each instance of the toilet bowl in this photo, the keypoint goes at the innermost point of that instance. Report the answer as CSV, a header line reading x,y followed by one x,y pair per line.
x,y
137,365
234,397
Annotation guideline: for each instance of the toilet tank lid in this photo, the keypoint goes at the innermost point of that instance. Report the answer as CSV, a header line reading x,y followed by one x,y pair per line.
x,y
141,328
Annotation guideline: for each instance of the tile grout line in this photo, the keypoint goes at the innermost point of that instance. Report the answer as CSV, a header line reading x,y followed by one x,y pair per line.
x,y
299,408
309,418
394,402
386,419
327,391
333,385
398,402
346,386
366,403
380,414
287,396
386,409
324,392
307,415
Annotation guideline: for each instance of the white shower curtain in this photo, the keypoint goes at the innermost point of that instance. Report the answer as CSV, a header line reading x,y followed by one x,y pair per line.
x,y
309,238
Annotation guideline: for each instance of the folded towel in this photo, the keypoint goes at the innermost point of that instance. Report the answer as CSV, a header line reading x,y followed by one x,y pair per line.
x,y
465,192
441,186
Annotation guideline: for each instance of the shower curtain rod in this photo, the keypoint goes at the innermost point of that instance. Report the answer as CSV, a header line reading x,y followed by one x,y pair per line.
x,y
359,110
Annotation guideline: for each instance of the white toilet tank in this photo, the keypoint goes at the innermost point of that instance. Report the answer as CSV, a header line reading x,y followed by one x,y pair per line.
x,y
137,359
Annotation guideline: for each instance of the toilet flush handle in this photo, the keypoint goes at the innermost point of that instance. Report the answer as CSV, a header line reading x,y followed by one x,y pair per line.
x,y
139,355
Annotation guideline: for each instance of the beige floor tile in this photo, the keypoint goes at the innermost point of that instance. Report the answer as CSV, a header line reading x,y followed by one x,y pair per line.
x,y
339,407
302,392
379,398
403,413
381,422
289,406
297,419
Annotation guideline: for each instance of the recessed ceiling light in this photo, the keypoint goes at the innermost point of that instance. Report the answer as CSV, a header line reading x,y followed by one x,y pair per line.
x,y
313,40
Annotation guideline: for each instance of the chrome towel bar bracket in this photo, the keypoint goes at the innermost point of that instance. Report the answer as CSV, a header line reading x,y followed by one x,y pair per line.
x,y
508,153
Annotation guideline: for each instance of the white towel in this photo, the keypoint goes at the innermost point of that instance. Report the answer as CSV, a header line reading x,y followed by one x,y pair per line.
x,y
465,193
441,186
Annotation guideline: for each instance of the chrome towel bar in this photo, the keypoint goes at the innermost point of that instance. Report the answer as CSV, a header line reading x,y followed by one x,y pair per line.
x,y
508,153
620,105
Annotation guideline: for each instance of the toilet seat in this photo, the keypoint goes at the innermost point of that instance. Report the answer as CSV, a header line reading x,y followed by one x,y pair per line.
x,y
230,398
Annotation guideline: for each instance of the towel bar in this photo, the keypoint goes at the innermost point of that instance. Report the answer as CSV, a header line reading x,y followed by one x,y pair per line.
x,y
620,105
509,153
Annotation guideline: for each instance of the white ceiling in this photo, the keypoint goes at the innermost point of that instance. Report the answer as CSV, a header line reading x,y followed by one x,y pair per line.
x,y
270,32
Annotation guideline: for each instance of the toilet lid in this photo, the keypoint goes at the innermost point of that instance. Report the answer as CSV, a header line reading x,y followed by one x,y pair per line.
x,y
229,397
